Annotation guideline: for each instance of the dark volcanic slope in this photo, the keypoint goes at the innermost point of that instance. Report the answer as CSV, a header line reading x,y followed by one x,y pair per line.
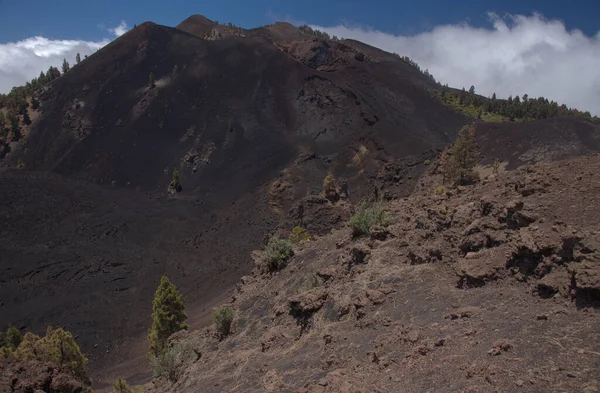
x,y
89,258
252,122
233,116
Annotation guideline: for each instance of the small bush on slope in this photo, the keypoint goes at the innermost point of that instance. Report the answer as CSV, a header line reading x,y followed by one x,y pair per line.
x,y
277,253
366,217
223,318
299,234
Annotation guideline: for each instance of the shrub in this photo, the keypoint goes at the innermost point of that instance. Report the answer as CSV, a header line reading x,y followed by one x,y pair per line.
x,y
277,253
330,188
176,181
223,318
121,386
12,338
366,217
299,234
168,316
440,189
58,346
496,167
464,158
165,363
171,359
427,162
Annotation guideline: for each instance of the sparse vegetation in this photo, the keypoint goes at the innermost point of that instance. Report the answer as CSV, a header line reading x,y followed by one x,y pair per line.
x,y
175,181
495,167
459,167
168,316
330,188
439,190
496,110
314,32
366,217
223,318
164,363
57,347
173,358
299,234
277,253
121,386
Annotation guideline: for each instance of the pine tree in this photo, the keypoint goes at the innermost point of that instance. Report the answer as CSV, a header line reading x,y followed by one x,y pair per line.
x,y
65,66
463,158
78,58
151,82
13,337
13,123
168,316
472,90
462,96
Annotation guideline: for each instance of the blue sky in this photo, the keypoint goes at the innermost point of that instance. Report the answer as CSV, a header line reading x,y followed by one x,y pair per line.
x,y
547,48
88,20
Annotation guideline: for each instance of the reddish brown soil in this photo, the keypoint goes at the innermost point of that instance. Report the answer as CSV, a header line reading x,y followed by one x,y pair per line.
x,y
493,287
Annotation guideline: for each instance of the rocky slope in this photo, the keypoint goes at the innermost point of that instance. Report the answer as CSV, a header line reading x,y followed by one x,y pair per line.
x,y
492,287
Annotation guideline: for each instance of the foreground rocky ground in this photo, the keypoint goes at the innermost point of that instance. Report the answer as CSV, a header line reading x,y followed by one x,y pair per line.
x,y
487,288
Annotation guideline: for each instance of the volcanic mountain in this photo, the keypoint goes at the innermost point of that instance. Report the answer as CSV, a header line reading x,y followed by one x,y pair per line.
x,y
253,121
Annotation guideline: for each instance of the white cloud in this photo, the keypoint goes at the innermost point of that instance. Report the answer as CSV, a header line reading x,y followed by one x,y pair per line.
x,y
517,55
119,30
23,60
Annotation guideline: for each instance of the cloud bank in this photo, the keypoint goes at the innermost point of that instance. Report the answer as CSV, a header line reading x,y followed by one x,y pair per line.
x,y
516,55
23,60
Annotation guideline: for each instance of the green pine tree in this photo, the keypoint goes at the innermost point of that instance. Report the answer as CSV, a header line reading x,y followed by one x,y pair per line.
x,y
78,58
462,162
13,337
65,66
168,316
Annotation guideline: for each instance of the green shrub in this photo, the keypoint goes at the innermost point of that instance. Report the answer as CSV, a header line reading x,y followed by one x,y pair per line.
x,y
171,359
176,181
277,253
12,338
299,234
223,318
165,363
366,217
168,316
121,386
58,347
427,162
